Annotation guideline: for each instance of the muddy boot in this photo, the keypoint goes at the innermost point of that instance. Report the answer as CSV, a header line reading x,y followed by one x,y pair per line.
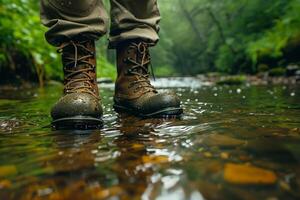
x,y
133,91
80,107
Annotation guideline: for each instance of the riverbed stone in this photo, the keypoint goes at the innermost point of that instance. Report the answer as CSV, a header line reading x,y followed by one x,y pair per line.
x,y
7,170
222,140
248,175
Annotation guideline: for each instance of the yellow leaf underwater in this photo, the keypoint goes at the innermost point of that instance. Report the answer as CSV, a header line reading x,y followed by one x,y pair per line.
x,y
155,159
8,170
246,174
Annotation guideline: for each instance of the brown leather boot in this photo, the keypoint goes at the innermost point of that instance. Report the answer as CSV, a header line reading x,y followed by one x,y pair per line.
x,y
133,91
80,106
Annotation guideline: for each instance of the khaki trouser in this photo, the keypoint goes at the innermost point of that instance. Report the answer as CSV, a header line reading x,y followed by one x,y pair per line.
x,y
130,19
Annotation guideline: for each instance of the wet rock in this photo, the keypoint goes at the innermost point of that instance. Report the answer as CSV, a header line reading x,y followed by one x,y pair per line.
x,y
278,71
280,150
232,80
291,70
224,141
248,175
210,191
9,125
204,169
212,167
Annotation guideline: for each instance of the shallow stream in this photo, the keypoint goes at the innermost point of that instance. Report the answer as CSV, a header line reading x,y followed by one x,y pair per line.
x,y
233,142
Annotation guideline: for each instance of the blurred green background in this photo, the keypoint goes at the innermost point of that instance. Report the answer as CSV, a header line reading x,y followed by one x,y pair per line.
x,y
197,36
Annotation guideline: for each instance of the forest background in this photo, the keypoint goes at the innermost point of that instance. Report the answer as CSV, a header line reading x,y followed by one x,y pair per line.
x,y
197,37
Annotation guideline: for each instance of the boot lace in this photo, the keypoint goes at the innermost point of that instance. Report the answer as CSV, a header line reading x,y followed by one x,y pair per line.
x,y
140,69
71,62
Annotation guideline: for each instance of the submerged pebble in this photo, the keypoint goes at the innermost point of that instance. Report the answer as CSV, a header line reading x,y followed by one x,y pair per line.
x,y
248,175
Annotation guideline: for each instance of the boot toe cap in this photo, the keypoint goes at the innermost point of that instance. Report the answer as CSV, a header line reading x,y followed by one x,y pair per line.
x,y
161,102
77,104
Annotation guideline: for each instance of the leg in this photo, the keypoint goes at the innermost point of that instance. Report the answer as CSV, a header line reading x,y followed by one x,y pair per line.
x,y
134,28
68,19
73,26
134,19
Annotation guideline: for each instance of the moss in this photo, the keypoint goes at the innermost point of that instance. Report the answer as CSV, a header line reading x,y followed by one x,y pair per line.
x,y
278,71
214,74
262,68
232,80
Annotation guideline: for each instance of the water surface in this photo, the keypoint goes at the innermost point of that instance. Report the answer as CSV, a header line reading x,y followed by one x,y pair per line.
x,y
242,129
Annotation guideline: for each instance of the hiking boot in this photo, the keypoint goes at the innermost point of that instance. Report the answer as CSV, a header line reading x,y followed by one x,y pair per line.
x,y
80,106
133,91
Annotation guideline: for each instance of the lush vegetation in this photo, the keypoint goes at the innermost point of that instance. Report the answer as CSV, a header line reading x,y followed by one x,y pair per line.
x,y
197,36
229,36
24,53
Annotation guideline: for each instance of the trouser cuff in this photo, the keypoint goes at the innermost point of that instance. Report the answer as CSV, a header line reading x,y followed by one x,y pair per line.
x,y
147,35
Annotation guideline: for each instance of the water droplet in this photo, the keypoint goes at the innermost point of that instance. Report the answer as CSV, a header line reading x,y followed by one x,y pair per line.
x,y
215,94
293,94
238,90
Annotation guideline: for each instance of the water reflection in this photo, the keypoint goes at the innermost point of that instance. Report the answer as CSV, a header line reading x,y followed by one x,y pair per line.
x,y
94,165
133,158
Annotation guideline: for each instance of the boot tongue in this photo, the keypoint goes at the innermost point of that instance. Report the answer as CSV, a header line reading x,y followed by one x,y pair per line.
x,y
142,57
69,59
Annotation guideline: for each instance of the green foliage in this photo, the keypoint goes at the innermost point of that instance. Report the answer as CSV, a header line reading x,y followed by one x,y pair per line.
x,y
24,53
105,69
197,36
274,40
225,60
165,71
228,36
22,45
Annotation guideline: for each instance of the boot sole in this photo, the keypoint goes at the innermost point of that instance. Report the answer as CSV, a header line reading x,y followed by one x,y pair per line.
x,y
170,112
78,123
